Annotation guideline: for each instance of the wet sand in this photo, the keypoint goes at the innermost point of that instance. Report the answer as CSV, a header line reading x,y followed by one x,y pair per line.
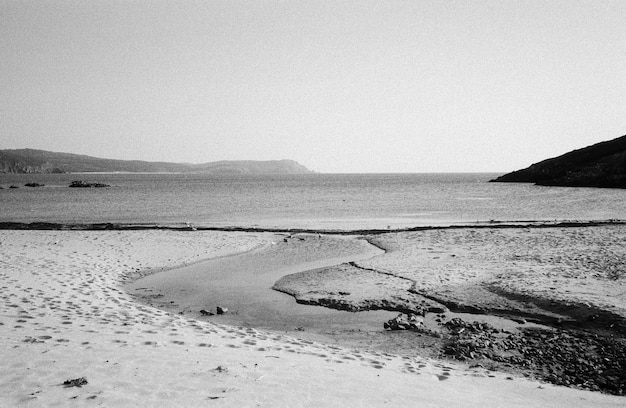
x,y
64,315
507,287
570,282
243,283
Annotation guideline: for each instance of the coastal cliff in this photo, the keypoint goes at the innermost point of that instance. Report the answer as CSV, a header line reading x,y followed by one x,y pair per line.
x,y
600,165
32,161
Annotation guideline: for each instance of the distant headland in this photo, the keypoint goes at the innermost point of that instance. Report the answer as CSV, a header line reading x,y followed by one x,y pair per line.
x,y
30,161
600,165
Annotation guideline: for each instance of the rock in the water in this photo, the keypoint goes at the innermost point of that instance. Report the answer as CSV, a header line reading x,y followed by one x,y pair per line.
x,y
76,382
80,183
222,310
404,322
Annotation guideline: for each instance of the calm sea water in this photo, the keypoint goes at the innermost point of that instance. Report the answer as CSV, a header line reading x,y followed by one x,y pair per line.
x,y
328,201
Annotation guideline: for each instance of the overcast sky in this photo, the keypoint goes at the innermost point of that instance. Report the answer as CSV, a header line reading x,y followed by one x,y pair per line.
x,y
339,86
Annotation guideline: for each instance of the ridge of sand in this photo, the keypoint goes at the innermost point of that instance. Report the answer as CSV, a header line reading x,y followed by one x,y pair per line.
x,y
63,315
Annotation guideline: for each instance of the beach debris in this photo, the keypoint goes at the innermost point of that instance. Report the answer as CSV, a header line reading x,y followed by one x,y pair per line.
x,y
404,322
222,310
76,382
204,312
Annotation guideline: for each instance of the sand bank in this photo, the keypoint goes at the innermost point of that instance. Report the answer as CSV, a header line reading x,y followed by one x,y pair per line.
x,y
64,315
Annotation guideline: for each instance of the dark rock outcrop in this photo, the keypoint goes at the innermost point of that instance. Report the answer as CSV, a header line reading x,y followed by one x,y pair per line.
x,y
83,184
76,382
600,165
404,322
221,310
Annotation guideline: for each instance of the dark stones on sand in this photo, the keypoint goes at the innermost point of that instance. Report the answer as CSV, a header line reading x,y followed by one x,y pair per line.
x,y
204,312
76,382
404,322
34,185
572,358
83,184
222,310
13,186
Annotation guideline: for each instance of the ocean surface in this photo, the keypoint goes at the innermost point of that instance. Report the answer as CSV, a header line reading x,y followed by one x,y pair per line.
x,y
322,201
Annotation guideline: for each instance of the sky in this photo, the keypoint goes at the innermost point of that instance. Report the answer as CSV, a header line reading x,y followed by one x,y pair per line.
x,y
339,86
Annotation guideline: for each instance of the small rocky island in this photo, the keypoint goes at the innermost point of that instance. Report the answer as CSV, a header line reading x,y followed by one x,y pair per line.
x,y
600,165
86,184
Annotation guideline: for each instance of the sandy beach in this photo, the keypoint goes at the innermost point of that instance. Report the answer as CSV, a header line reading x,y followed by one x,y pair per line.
x,y
66,314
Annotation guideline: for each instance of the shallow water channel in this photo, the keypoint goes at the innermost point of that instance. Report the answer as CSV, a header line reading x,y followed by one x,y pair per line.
x,y
243,284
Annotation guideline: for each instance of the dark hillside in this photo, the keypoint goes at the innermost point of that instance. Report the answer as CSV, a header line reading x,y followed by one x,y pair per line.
x,y
600,165
41,161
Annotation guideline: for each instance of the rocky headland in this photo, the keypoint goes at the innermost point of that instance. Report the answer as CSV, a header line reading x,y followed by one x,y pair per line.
x,y
31,161
600,165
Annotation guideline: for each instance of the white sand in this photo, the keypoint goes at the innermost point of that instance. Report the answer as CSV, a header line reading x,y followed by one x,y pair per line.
x,y
63,315
584,265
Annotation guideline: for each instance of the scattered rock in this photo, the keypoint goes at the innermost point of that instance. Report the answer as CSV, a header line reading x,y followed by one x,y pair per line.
x,y
13,186
34,185
222,310
404,322
76,382
206,313
573,358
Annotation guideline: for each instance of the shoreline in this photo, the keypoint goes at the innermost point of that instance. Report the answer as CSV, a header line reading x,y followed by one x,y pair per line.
x,y
55,226
64,315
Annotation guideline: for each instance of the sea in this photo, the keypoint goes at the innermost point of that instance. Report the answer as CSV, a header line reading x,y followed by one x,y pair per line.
x,y
307,201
